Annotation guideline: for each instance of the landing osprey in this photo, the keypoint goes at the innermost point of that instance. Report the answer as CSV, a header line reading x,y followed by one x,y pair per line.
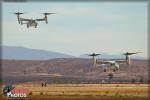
x,y
31,22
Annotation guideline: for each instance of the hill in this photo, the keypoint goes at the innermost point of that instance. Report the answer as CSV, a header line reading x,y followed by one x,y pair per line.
x,y
21,53
69,70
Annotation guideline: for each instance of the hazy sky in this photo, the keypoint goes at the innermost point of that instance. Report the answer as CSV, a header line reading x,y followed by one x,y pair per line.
x,y
79,27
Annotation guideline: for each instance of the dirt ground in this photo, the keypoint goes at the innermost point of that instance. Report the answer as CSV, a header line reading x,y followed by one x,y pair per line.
x,y
86,92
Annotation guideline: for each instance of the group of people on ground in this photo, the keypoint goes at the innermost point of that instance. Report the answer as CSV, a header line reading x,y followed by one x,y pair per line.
x,y
44,84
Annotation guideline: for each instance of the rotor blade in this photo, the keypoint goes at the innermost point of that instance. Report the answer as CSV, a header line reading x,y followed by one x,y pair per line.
x,y
18,13
93,54
48,13
129,53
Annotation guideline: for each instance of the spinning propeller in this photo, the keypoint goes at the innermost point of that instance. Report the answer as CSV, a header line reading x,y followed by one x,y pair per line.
x,y
48,13
128,53
46,16
94,59
18,13
93,54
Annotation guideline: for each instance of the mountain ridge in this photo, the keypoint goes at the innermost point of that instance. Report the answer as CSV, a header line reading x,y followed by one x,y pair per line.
x,y
23,53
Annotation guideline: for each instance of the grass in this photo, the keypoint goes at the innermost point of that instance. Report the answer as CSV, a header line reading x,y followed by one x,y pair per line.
x,y
87,98
87,92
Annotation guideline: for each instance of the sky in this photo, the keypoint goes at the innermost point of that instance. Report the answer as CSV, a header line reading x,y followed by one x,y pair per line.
x,y
79,27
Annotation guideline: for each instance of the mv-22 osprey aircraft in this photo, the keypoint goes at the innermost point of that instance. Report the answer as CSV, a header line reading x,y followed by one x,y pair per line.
x,y
114,64
31,22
